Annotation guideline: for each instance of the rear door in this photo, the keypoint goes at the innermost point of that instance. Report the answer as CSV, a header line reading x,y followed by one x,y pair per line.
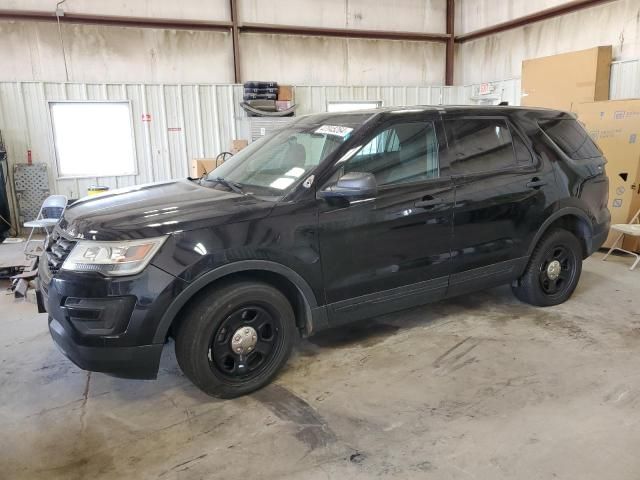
x,y
500,200
390,251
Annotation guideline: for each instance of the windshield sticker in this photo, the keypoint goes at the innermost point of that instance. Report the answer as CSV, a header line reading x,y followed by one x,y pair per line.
x,y
282,183
337,130
295,172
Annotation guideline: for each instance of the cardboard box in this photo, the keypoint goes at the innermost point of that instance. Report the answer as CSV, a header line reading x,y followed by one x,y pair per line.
x,y
615,127
237,145
285,93
559,81
200,166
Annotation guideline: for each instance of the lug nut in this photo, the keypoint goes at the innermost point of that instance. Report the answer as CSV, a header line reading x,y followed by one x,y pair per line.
x,y
246,331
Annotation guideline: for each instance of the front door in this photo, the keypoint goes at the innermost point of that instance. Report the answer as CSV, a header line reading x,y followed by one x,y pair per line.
x,y
390,251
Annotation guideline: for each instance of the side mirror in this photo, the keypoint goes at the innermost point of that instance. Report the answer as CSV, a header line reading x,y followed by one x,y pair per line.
x,y
352,184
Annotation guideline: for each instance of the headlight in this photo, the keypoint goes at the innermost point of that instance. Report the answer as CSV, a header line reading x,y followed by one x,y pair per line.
x,y
127,257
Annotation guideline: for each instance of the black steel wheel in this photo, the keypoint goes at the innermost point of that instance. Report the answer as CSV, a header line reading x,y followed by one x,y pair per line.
x,y
245,343
233,339
556,269
553,271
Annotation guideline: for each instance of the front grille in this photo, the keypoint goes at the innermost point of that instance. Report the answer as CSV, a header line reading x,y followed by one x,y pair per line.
x,y
57,251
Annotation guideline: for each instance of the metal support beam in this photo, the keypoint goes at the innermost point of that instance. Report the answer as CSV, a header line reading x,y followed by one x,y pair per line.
x,y
342,32
117,21
546,14
235,34
449,55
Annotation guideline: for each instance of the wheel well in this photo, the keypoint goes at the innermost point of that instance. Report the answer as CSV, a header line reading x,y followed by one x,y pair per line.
x,y
578,226
300,306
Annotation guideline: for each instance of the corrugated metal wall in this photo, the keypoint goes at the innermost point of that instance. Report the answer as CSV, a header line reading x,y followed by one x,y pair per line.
x,y
503,91
314,98
625,79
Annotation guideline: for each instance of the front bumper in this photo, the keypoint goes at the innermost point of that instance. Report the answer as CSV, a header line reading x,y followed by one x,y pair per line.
x,y
108,324
139,362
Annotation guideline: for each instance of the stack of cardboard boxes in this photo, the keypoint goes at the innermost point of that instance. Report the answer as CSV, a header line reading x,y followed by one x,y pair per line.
x,y
579,82
268,96
615,126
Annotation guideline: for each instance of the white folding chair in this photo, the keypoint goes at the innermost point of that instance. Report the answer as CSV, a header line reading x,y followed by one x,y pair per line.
x,y
49,215
632,228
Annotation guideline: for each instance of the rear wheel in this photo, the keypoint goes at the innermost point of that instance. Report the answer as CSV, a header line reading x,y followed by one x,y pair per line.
x,y
234,339
553,270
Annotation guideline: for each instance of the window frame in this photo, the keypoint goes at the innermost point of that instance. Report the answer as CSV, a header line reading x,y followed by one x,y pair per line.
x,y
516,166
52,136
434,120
526,141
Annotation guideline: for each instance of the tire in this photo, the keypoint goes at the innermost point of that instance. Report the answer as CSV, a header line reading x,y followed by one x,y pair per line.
x,y
537,285
207,338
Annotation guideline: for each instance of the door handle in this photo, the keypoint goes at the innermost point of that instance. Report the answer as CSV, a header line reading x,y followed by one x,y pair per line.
x,y
429,202
536,183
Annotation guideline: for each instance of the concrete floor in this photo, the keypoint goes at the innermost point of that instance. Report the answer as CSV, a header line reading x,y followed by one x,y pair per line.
x,y
478,387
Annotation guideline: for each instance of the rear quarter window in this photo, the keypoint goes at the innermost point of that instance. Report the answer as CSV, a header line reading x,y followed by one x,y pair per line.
x,y
571,138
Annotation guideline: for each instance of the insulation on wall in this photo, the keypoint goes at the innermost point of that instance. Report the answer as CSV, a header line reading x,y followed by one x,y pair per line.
x,y
500,56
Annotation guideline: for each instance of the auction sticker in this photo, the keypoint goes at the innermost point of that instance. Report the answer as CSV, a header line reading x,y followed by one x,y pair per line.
x,y
337,130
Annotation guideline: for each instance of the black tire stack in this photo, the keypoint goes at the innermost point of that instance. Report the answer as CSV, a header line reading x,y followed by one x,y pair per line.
x,y
261,95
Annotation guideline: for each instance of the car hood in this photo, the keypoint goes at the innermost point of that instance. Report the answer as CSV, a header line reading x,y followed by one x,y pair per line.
x,y
158,209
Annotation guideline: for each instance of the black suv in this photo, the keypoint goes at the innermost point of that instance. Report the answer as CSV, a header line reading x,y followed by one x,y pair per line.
x,y
335,218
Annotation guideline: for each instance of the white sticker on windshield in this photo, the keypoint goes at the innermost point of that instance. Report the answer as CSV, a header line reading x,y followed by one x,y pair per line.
x,y
337,130
282,183
295,172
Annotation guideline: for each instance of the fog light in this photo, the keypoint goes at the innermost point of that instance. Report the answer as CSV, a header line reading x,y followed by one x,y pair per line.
x,y
99,316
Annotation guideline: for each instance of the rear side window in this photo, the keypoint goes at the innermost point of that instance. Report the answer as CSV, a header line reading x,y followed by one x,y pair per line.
x,y
479,145
571,138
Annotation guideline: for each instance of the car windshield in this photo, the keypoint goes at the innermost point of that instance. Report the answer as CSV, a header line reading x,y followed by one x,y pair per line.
x,y
275,164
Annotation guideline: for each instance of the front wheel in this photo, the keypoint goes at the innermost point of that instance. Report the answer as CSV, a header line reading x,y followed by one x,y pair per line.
x,y
234,339
553,270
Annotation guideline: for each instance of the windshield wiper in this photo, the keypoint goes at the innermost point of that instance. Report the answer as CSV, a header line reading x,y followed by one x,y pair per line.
x,y
230,184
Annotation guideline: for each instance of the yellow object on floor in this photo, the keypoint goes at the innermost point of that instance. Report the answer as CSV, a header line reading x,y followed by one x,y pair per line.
x,y
96,190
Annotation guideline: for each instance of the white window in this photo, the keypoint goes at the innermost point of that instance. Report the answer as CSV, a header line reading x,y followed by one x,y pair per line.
x,y
353,105
93,139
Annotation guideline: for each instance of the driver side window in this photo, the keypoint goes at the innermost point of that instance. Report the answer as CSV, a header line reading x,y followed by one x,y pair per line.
x,y
402,153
